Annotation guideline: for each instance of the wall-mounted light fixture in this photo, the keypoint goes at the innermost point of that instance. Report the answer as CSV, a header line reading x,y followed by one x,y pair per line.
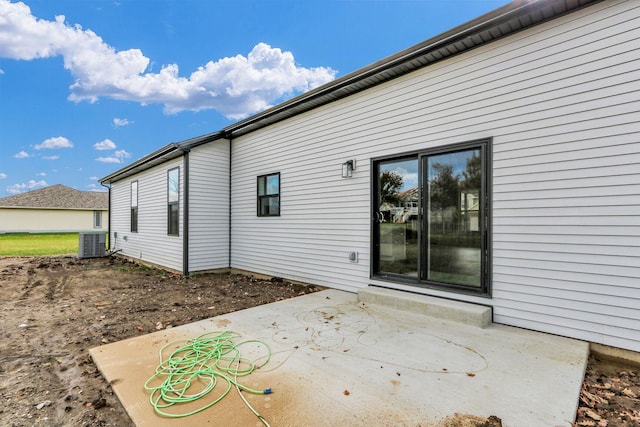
x,y
347,168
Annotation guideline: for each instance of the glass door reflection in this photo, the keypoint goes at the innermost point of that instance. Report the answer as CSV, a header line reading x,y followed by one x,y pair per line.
x,y
453,204
397,216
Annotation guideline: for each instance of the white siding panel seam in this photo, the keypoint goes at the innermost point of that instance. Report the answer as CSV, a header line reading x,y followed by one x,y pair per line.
x,y
581,310
622,272
596,260
608,304
580,331
584,323
588,292
603,280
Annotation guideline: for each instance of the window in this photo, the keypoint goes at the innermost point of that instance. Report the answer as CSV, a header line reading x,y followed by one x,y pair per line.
x,y
269,195
97,219
134,207
430,220
173,202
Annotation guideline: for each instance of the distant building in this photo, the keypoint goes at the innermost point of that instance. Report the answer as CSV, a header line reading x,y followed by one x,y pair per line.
x,y
54,209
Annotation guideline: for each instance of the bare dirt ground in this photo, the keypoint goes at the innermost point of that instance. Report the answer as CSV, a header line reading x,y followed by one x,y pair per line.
x,y
54,309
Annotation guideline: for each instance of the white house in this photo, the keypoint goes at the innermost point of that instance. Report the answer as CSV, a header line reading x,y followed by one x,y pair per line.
x,y
529,116
54,209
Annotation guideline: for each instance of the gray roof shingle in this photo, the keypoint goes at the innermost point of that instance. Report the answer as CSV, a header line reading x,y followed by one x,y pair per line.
x,y
58,197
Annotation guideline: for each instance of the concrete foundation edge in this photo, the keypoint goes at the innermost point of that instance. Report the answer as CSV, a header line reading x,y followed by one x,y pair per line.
x,y
616,354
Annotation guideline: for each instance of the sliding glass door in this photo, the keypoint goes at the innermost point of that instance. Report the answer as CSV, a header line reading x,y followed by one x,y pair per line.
x,y
430,218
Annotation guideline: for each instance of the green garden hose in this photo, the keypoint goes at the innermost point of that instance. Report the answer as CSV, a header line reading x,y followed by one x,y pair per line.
x,y
205,360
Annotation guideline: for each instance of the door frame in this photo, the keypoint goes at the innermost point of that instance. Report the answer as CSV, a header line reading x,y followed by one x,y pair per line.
x,y
485,217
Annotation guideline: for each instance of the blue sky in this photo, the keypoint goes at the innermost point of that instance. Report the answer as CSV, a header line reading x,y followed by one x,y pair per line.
x,y
88,86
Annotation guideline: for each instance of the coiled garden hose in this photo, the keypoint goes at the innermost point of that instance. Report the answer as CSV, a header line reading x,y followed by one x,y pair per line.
x,y
205,360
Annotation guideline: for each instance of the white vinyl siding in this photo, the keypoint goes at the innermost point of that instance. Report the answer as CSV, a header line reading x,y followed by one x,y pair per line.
x,y
151,243
562,104
209,206
320,212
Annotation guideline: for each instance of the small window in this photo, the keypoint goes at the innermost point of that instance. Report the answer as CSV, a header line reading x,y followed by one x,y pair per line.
x,y
134,207
97,219
269,195
173,202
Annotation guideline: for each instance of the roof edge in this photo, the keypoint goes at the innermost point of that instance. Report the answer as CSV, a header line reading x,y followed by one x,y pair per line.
x,y
168,152
122,172
98,208
466,30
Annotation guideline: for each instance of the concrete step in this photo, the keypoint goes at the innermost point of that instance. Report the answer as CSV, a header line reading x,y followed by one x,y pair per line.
x,y
455,311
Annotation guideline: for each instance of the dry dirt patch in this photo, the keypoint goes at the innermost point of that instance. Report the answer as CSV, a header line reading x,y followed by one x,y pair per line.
x,y
54,309
610,395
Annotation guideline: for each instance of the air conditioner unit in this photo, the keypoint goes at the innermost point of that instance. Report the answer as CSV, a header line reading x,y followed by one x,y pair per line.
x,y
91,245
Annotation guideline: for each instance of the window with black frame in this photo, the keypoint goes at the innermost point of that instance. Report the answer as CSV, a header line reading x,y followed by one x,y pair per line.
x,y
173,202
134,207
269,195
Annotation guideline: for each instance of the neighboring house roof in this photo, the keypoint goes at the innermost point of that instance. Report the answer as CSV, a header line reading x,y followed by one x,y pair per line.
x,y
511,18
408,194
58,197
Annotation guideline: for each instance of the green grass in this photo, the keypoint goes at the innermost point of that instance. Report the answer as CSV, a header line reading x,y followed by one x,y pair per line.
x,y
38,244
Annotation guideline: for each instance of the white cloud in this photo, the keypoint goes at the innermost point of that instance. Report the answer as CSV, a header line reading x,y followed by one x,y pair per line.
x,y
41,174
236,86
105,144
3,175
118,157
51,157
96,188
1,71
21,188
122,154
109,159
118,122
21,155
54,143
94,178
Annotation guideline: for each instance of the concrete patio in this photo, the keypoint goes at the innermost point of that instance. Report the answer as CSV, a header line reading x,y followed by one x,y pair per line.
x,y
340,362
